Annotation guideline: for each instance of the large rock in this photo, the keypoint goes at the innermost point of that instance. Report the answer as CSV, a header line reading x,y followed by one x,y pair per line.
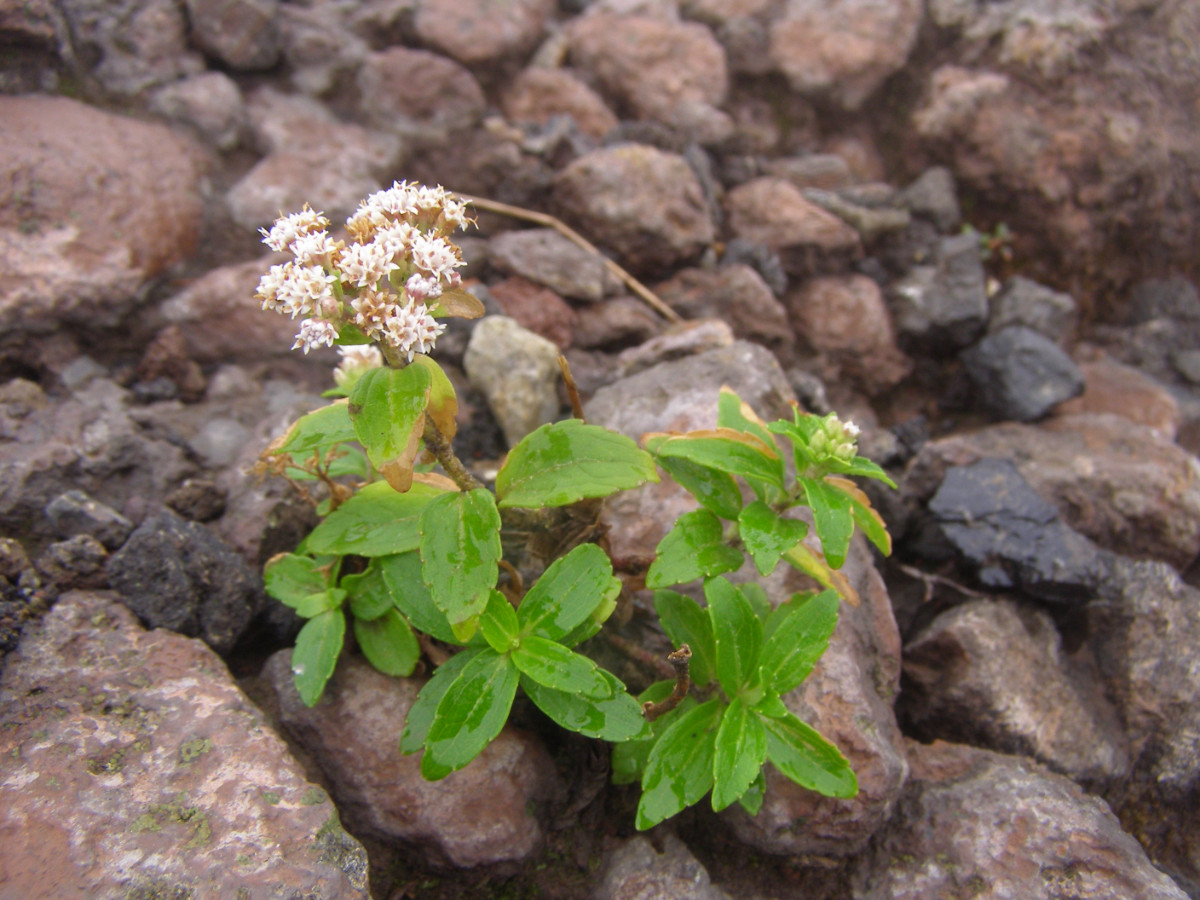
x,y
545,256
478,815
85,224
1019,374
638,871
242,34
517,371
475,34
418,94
539,94
737,294
941,305
131,765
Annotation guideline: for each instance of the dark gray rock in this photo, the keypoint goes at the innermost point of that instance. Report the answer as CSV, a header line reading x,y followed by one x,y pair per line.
x,y
75,513
1021,375
1021,301
942,306
934,196
1012,539
1164,298
242,34
637,871
176,574
74,564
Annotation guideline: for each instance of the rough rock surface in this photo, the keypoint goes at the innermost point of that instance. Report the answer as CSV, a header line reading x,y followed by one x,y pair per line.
x,y
545,256
471,33
737,294
638,871
1021,375
131,765
517,371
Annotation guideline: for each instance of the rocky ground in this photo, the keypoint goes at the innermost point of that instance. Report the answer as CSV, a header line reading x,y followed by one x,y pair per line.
x,y
969,227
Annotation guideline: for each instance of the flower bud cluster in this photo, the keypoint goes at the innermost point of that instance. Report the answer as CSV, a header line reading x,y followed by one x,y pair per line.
x,y
385,282
834,440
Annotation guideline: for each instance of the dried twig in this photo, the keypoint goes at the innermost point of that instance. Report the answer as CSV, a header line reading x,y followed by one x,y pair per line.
x,y
572,388
679,660
930,580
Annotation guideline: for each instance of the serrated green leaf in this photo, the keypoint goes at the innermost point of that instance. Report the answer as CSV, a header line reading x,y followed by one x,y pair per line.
x,y
865,517
402,575
319,602
724,449
756,596
460,550
863,467
789,655
694,548
421,713
554,666
387,407
800,753
737,631
771,706
322,427
716,491
368,594
499,623
812,564
316,652
768,535
567,593
679,770
686,623
564,462
733,412
289,578
388,643
831,518
377,521
616,719
470,713
738,755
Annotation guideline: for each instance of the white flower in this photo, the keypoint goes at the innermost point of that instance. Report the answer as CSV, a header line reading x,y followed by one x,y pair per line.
x,y
850,429
356,359
287,228
270,284
365,264
436,257
396,239
316,248
305,289
371,308
420,288
314,333
412,330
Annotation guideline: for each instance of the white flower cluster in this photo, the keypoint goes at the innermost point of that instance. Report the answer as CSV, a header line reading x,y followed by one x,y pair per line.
x,y
835,439
384,282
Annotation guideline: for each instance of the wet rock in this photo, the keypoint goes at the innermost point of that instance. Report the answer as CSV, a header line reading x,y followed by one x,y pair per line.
x,y
517,371
539,94
242,34
210,103
85,224
1012,539
671,72
809,240
845,320
545,256
474,35
1020,375
679,340
934,196
637,871
418,94
735,293
613,324
993,674
963,807
178,575
135,766
1023,302
476,816
644,204
1110,387
539,309
74,564
75,513
942,306
841,52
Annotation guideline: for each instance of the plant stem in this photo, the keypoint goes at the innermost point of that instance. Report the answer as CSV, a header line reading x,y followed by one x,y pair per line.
x,y
679,660
439,445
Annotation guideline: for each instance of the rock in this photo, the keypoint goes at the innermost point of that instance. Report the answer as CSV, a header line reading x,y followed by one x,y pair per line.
x,y
644,204
418,94
735,293
176,574
761,258
74,564
962,806
478,35
1131,491
545,256
867,215
809,240
1164,298
75,513
671,72
841,52
478,815
616,323
1110,387
1023,302
942,307
826,171
993,674
538,94
135,767
845,320
166,358
210,103
637,871
242,34
1020,375
197,499
1012,539
84,225
677,341
320,45
517,371
536,308
933,196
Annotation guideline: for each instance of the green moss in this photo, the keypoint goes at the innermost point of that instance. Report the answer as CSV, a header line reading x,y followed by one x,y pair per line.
x,y
244,860
272,798
190,751
164,815
336,848
160,889
313,796
109,764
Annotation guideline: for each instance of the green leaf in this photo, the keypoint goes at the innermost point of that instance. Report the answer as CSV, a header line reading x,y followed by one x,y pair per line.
x,y
694,548
387,407
740,750
733,412
679,770
616,719
723,449
756,596
686,623
470,714
443,402
567,593
771,706
752,800
564,462
768,535
377,521
716,491
368,593
320,602
812,564
554,666
388,643
289,577
460,549
322,427
789,654
862,467
402,575
831,518
798,751
628,760
316,652
593,623
499,623
421,713
738,634
865,517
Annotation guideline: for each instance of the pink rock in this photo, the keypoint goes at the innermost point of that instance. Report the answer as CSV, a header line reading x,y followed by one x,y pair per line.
x,y
418,93
474,33
539,94
612,324
738,295
1112,387
537,308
